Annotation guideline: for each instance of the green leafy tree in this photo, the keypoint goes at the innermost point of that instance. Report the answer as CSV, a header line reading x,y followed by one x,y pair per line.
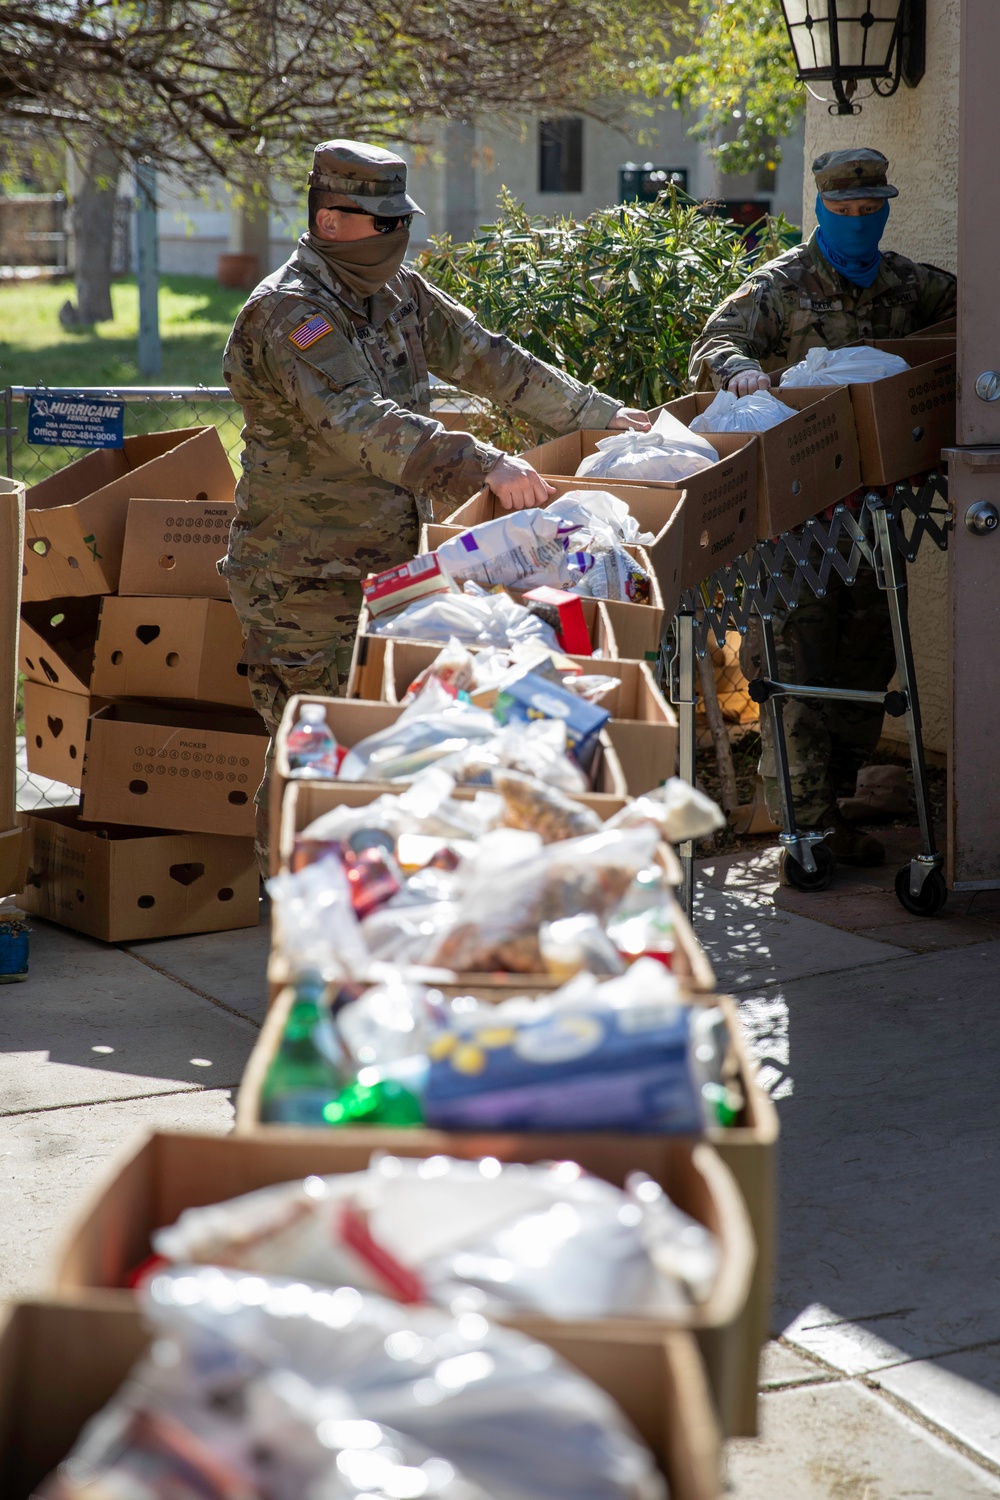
x,y
733,67
616,300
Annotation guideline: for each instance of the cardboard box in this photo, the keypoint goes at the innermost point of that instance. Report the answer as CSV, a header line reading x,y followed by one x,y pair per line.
x,y
57,642
643,726
55,731
352,720
171,1172
172,547
180,768
904,421
62,1359
368,660
720,502
12,849
170,648
806,463
75,520
121,884
946,329
637,628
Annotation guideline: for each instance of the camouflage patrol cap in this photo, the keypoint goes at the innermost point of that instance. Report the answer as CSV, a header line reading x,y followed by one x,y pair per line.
x,y
374,178
856,173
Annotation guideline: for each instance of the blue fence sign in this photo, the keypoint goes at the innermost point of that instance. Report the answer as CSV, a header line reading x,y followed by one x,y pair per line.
x,y
76,421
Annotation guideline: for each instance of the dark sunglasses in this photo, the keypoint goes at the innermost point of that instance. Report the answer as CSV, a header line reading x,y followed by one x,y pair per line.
x,y
384,223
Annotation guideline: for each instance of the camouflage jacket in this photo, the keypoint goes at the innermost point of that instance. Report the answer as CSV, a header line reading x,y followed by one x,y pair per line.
x,y
341,453
799,302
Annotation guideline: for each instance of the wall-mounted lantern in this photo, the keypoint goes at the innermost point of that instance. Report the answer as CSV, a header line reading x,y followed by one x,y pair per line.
x,y
847,42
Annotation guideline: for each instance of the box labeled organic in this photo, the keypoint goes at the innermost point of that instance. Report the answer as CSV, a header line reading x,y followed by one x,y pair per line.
x,y
170,648
172,547
121,884
75,520
185,768
805,463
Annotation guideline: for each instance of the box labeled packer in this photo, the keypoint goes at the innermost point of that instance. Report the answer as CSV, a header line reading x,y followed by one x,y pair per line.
x,y
184,768
121,884
75,520
172,547
170,648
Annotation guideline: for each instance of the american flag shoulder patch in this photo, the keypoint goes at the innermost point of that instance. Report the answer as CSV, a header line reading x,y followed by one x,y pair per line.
x,y
307,333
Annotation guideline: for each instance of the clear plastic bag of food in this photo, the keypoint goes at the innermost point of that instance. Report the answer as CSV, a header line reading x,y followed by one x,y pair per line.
x,y
497,923
668,453
538,749
433,726
678,809
530,803
490,1403
608,572
453,667
590,685
843,367
425,806
754,413
314,921
573,944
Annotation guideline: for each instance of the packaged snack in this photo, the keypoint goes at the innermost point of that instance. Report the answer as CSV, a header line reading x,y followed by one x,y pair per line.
x,y
566,618
532,697
454,668
391,590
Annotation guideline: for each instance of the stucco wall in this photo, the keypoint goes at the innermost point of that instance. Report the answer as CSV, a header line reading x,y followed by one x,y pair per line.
x,y
917,129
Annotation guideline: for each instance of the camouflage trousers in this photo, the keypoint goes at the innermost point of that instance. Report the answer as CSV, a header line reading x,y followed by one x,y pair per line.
x,y
842,640
298,638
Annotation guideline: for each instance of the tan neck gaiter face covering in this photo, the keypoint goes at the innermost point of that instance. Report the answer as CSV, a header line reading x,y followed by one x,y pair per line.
x,y
364,266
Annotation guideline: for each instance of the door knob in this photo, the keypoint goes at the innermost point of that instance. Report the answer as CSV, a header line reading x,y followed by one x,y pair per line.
x,y
982,518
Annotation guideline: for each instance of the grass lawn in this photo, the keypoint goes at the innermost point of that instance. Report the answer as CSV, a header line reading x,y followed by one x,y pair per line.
x,y
195,320
196,317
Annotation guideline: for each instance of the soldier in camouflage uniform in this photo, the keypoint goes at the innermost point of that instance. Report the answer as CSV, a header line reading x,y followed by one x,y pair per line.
x,y
329,360
836,289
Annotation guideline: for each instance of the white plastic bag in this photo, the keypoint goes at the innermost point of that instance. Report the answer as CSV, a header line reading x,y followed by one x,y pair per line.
x,y
433,726
668,453
754,413
603,516
472,617
505,1411
680,811
843,367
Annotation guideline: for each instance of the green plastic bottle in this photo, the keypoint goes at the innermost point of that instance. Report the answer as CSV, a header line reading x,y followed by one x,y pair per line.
x,y
386,1102
303,1078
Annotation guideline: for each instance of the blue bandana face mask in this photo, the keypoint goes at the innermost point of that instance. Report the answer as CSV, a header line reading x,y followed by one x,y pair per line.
x,y
850,243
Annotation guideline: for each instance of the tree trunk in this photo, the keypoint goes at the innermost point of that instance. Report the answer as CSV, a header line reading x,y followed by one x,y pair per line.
x,y
94,223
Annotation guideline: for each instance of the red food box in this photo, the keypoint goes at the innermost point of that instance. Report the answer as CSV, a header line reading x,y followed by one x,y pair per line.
x,y
571,627
415,579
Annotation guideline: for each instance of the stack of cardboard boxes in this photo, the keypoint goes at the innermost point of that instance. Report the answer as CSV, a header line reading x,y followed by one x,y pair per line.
x,y
134,694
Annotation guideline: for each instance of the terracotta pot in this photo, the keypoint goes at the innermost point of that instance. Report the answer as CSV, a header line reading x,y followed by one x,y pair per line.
x,y
238,271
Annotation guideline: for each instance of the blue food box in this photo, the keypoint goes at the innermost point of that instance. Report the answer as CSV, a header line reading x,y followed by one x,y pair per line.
x,y
573,1068
533,697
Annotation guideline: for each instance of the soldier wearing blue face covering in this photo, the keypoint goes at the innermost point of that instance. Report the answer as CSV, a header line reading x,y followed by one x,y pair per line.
x,y
838,288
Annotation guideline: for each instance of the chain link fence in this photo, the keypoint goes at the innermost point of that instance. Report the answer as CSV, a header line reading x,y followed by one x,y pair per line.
x,y
147,409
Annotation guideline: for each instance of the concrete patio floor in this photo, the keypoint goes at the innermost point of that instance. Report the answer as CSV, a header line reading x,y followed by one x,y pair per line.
x,y
883,1380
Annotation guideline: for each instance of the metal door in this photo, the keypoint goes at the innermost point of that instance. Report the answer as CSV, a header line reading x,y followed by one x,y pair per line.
x,y
974,471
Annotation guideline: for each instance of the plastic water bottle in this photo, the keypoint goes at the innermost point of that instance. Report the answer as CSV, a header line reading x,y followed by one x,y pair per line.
x,y
312,749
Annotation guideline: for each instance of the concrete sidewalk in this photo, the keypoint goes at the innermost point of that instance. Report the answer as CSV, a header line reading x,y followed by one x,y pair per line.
x,y
884,1376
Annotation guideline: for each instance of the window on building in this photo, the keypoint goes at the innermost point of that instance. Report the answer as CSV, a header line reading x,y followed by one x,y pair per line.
x,y
560,156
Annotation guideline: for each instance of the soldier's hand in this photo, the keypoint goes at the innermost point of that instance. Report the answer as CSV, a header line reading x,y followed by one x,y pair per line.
x,y
748,381
630,419
516,485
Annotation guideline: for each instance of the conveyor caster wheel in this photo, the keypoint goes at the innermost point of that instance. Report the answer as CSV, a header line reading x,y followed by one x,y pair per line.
x,y
933,893
793,873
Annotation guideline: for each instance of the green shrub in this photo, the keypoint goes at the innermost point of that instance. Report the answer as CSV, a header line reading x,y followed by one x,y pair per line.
x,y
615,301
